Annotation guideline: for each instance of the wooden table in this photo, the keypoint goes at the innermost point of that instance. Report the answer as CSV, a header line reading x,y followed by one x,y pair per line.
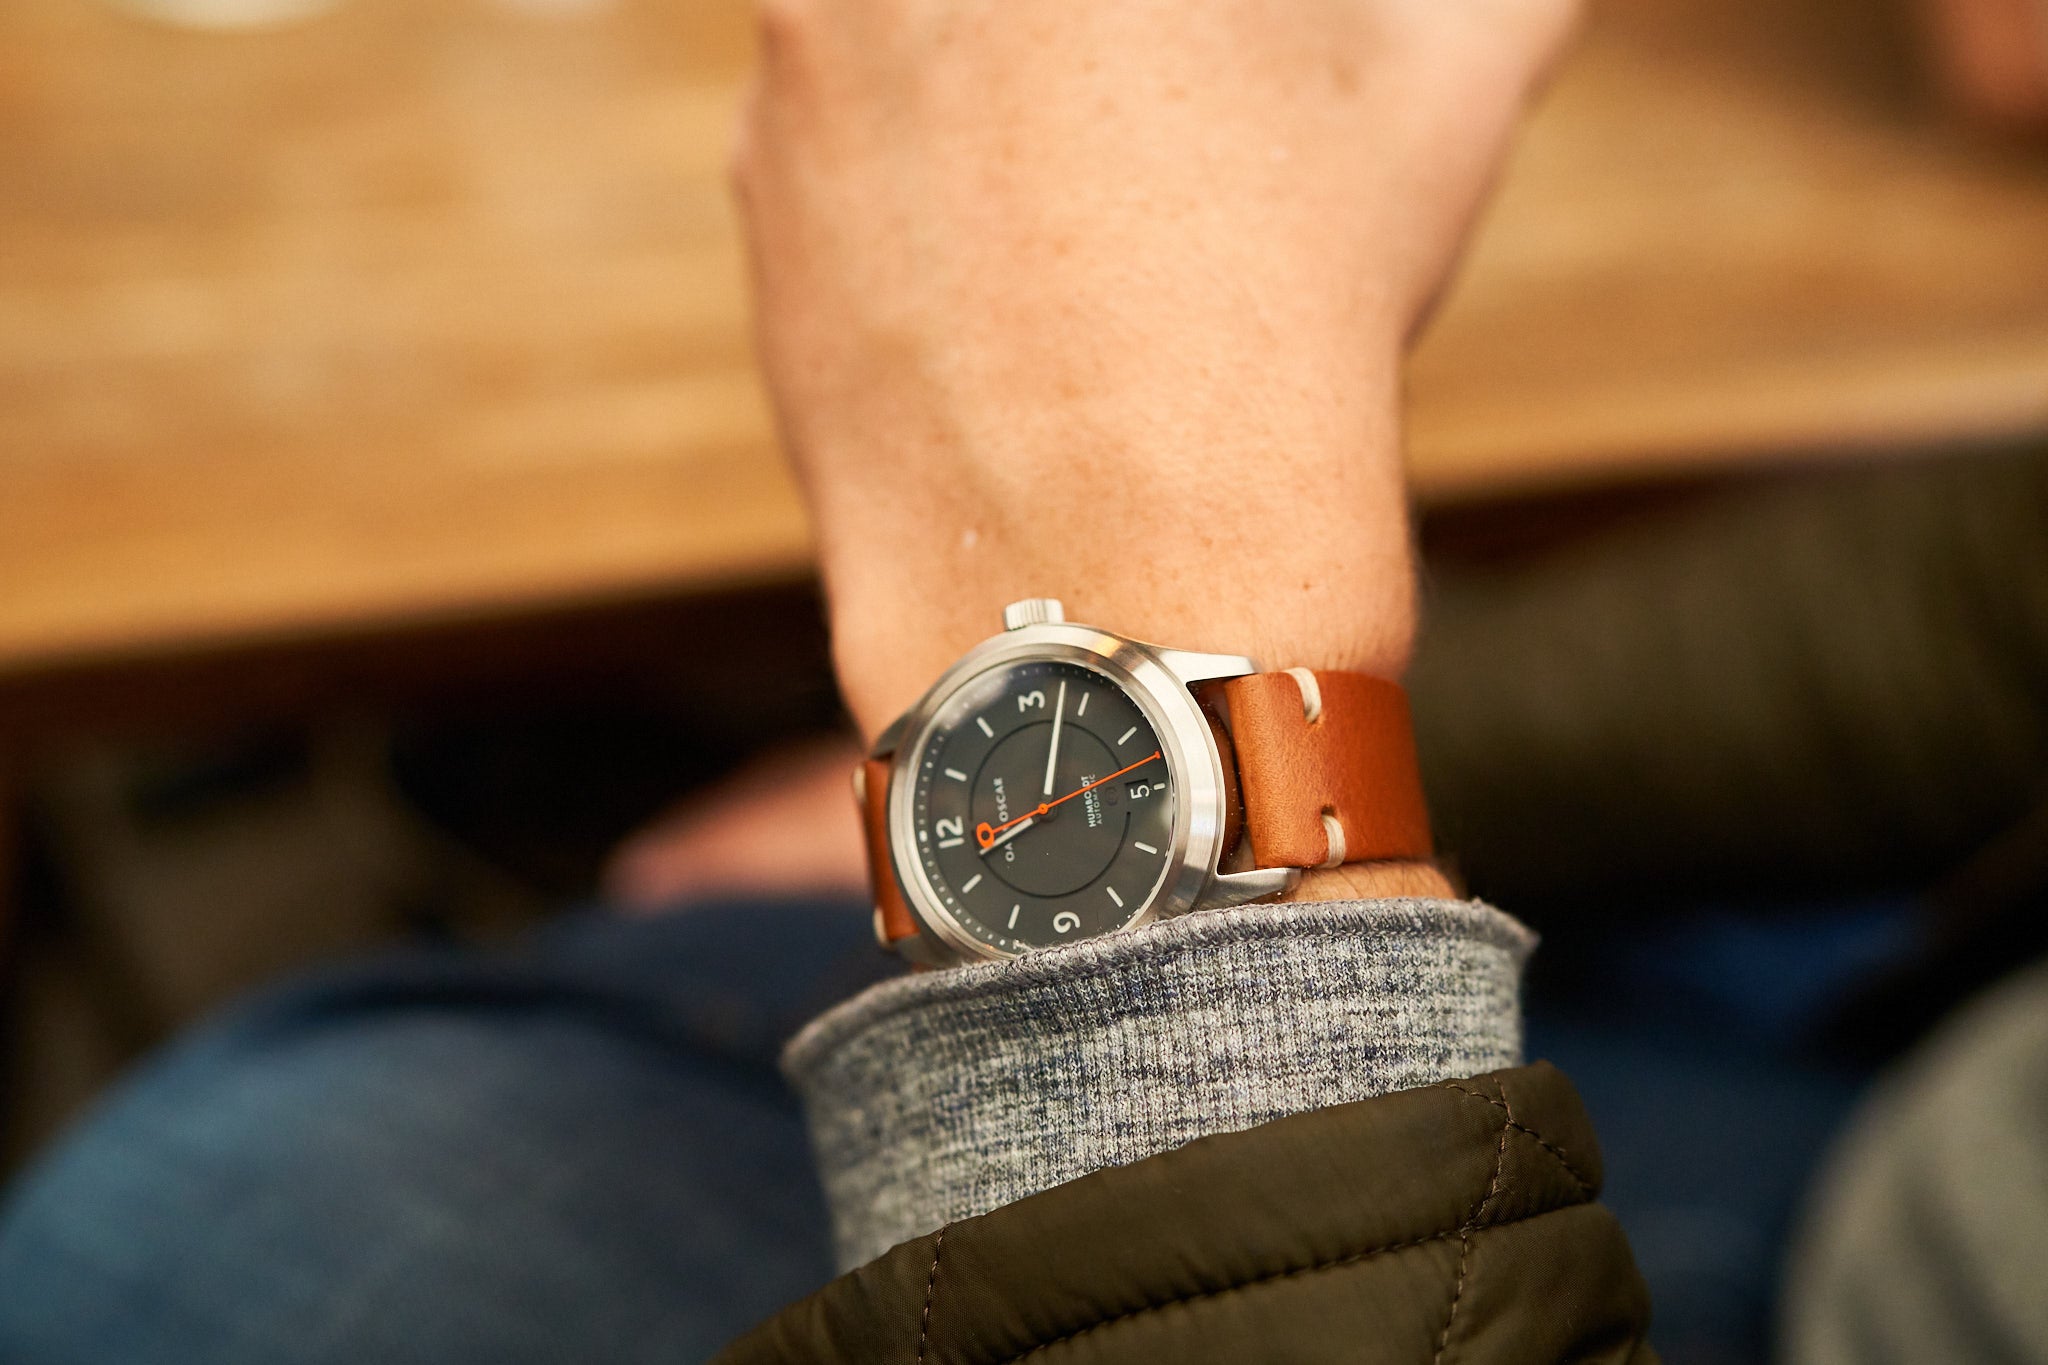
x,y
431,308
1737,231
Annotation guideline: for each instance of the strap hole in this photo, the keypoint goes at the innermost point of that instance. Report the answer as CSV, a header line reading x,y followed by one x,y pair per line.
x,y
1311,693
1333,830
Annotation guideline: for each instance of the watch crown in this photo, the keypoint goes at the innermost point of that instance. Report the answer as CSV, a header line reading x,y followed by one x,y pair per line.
x,y
1033,611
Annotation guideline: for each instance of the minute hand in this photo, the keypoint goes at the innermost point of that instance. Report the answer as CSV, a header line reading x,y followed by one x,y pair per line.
x,y
1052,750
985,833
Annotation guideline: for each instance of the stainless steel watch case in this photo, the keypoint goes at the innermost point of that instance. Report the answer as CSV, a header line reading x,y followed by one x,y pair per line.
x,y
1158,680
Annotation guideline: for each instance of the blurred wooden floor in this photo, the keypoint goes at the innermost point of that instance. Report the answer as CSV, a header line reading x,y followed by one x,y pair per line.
x,y
431,308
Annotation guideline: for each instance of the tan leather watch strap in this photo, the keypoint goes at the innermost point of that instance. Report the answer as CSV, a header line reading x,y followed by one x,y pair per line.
x,y
1341,745
892,913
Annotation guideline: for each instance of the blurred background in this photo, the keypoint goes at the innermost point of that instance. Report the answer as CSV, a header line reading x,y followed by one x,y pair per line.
x,y
390,524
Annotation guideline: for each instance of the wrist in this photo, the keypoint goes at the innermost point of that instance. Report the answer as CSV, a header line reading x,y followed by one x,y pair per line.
x,y
1373,881
1294,559
890,647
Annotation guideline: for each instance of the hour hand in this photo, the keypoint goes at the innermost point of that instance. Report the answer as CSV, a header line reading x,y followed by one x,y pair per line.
x,y
1012,832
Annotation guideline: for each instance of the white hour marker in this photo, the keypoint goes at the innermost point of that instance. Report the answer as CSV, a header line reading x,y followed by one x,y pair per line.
x,y
951,843
1114,896
1127,734
982,721
972,882
956,774
1143,847
1013,914
1082,709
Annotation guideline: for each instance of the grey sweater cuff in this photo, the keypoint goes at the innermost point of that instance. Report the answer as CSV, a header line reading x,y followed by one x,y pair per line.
x,y
942,1095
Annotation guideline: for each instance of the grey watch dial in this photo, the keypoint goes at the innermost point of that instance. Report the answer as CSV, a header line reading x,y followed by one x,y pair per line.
x,y
1043,807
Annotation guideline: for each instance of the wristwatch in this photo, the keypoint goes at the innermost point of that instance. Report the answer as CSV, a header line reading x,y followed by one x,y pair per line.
x,y
1062,782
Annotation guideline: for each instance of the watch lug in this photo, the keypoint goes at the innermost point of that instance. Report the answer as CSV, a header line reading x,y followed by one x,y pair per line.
x,y
1239,888
1193,668
921,951
890,739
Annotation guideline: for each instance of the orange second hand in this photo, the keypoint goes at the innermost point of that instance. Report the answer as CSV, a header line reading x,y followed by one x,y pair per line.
x,y
1100,780
984,839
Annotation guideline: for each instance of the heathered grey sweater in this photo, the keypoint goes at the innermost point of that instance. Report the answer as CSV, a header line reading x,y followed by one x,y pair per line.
x,y
942,1095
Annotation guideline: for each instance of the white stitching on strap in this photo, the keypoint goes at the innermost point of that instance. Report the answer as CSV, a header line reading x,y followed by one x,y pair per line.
x,y
1334,831
1311,694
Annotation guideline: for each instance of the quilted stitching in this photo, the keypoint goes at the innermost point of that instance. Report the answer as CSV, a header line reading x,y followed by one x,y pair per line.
x,y
1473,1225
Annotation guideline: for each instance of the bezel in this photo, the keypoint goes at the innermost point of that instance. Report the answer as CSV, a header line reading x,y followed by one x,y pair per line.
x,y
1193,766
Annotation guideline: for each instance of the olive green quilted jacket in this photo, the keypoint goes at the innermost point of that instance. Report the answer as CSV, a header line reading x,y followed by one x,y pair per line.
x,y
1455,1223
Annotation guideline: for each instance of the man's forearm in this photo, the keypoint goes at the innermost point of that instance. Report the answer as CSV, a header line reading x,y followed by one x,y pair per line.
x,y
1108,302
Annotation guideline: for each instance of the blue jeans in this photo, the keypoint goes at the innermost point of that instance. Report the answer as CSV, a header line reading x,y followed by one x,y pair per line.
x,y
578,1152
582,1152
